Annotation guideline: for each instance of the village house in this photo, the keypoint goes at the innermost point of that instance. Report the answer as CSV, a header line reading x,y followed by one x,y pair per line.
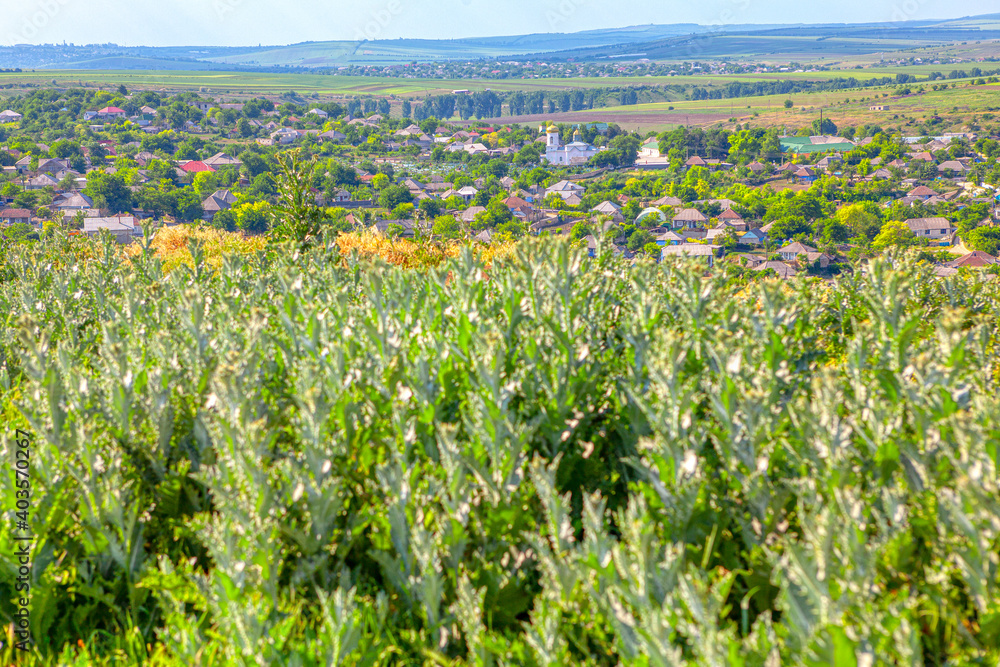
x,y
41,181
469,215
610,209
72,202
804,174
976,259
790,252
700,251
783,270
195,166
285,136
668,238
932,229
689,217
752,237
410,131
667,201
731,218
953,166
332,135
14,216
794,251
223,160
564,186
467,193
220,200
650,148
123,227
111,113
921,192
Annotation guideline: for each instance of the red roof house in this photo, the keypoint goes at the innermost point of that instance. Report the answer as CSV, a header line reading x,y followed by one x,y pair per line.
x,y
976,258
195,166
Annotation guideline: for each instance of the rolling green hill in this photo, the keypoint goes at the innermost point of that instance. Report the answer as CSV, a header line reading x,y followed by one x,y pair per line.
x,y
664,42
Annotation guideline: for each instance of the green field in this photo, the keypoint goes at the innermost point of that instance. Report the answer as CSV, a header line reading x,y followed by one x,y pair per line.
x,y
961,104
258,83
298,457
957,106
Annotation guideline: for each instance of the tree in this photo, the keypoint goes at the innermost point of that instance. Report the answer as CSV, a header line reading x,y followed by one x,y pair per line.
x,y
403,211
393,195
895,233
834,231
621,152
225,220
243,128
789,226
528,155
187,204
639,239
984,239
496,215
431,208
429,124
407,108
262,186
205,183
652,249
789,104
109,191
447,226
745,143
862,219
728,239
824,126
580,230
380,181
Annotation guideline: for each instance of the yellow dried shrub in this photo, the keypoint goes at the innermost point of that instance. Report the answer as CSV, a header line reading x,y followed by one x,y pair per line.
x,y
171,244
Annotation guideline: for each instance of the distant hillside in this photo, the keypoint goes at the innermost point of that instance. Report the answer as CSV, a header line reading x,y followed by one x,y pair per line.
x,y
674,41
793,41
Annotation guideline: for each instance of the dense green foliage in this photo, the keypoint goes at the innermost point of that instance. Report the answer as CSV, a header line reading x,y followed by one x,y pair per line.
x,y
302,459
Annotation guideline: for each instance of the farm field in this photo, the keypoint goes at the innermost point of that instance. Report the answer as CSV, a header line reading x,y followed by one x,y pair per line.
x,y
957,107
259,83
539,458
809,44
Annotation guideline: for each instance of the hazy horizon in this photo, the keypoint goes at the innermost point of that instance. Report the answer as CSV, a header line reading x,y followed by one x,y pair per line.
x,y
252,22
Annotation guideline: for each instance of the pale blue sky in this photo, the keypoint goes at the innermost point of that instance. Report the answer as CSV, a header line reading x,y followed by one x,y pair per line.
x,y
249,22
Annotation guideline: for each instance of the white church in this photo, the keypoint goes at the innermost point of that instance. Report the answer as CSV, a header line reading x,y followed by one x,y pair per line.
x,y
573,153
